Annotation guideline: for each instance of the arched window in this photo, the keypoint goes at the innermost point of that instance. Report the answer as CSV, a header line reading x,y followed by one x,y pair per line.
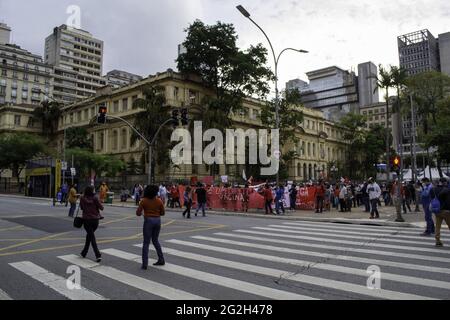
x,y
309,149
316,173
305,171
310,173
124,138
115,140
299,170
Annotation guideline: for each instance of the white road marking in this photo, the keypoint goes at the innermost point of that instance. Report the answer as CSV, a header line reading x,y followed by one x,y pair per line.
x,y
366,231
332,233
267,238
216,279
143,284
55,282
321,266
277,233
388,263
4,295
286,275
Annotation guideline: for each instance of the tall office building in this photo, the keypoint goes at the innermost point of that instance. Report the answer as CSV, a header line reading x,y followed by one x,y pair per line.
x,y
337,92
420,51
78,60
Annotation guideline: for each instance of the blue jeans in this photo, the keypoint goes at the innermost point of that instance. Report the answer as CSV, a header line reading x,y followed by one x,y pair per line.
x,y
428,218
201,206
152,227
279,205
73,206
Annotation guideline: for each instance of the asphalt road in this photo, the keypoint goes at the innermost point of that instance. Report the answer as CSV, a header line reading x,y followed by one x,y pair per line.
x,y
215,257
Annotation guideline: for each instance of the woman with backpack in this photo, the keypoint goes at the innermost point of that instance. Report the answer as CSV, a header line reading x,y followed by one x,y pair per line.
x,y
153,209
91,206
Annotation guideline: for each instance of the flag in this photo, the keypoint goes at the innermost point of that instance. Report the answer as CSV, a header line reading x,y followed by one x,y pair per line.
x,y
244,176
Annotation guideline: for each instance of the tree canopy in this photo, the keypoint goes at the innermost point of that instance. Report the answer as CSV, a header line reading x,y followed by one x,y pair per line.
x,y
17,148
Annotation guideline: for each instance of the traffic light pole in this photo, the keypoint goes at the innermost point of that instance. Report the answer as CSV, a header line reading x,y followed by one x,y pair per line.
x,y
150,144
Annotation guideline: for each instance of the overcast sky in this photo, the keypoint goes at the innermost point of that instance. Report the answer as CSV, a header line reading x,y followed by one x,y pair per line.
x,y
141,36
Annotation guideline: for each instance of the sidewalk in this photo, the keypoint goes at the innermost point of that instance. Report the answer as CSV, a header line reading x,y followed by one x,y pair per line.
x,y
357,216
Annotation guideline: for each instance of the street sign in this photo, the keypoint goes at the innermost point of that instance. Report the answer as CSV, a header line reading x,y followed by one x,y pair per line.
x,y
64,165
73,172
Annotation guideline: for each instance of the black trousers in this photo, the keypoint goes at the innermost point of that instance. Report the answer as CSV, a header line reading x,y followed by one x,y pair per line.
x,y
188,209
319,204
90,226
268,206
343,204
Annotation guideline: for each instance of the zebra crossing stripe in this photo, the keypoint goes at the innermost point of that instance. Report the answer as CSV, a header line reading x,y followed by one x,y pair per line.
x,y
55,282
325,239
267,238
387,234
286,275
143,284
4,296
412,231
315,265
328,256
347,234
216,279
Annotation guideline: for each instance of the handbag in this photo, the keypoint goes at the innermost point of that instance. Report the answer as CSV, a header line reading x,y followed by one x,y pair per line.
x,y
78,221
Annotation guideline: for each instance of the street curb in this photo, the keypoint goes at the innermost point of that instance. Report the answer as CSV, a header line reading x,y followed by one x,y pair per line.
x,y
299,218
367,222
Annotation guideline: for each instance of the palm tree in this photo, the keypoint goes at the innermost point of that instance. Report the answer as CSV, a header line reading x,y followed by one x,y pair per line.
x,y
385,82
48,114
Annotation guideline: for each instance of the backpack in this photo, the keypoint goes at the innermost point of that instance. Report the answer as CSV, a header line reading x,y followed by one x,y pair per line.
x,y
435,205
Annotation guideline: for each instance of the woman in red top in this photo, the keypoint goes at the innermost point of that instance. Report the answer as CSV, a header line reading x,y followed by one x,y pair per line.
x,y
91,207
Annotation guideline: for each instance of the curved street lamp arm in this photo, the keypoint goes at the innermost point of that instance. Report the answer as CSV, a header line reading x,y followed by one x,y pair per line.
x,y
157,132
287,49
131,126
270,43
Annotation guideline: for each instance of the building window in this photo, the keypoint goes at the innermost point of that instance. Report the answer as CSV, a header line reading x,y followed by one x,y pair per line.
x,y
125,104
13,93
17,120
115,140
4,72
133,99
116,106
124,138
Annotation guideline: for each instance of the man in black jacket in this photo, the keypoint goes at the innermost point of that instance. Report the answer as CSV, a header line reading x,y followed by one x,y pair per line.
x,y
201,199
444,215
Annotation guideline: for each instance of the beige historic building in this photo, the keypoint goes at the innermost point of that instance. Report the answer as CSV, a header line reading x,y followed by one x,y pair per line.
x,y
320,141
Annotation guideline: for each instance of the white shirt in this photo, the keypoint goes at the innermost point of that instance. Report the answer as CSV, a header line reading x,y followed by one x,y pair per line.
x,y
374,191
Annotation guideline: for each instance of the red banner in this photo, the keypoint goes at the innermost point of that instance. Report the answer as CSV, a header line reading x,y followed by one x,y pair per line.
x,y
231,199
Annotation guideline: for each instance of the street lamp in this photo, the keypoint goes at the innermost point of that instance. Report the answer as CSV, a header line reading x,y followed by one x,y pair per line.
x,y
276,59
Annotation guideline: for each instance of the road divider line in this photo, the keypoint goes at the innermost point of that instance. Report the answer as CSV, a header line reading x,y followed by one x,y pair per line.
x,y
235,284
55,282
288,276
267,238
131,280
368,261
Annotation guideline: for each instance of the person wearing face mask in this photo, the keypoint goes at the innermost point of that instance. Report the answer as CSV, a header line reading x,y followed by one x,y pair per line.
x,y
425,196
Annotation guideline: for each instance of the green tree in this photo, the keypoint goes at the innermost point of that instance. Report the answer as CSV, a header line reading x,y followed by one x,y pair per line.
x,y
17,148
78,137
86,162
373,149
428,89
212,54
48,113
133,167
154,113
354,133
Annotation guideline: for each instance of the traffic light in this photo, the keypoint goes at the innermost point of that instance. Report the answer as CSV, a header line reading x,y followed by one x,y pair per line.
x,y
101,117
175,120
396,163
184,117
